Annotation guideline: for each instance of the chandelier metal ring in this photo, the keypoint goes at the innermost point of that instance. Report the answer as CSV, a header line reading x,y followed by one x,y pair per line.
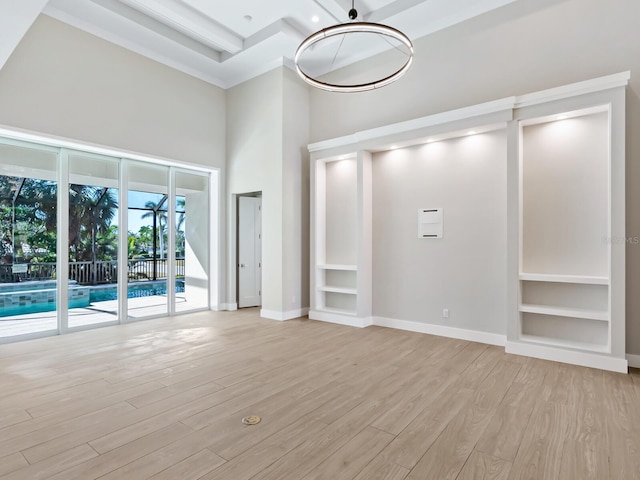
x,y
355,27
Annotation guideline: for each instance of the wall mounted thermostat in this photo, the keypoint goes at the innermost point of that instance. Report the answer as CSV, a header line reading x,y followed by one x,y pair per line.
x,y
430,223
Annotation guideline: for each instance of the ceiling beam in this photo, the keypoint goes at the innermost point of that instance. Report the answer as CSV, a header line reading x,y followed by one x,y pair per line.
x,y
337,9
190,22
15,20
391,9
67,11
276,28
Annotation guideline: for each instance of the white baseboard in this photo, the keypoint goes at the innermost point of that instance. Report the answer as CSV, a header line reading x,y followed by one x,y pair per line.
x,y
231,307
585,359
634,360
282,316
347,320
442,331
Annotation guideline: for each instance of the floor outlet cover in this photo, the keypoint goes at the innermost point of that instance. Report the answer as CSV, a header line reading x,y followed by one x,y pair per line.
x,y
252,420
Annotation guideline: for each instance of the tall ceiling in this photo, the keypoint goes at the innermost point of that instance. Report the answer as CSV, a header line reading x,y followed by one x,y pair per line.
x,y
226,42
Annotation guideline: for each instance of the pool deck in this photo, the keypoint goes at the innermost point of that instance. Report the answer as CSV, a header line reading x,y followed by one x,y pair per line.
x,y
94,314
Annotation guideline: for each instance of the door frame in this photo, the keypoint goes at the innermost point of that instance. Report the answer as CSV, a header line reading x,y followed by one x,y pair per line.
x,y
236,259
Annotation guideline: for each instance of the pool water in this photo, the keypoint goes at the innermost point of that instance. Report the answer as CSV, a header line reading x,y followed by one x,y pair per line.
x,y
134,290
36,297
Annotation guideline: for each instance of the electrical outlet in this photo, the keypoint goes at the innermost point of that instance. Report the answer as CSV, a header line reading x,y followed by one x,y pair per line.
x,y
445,313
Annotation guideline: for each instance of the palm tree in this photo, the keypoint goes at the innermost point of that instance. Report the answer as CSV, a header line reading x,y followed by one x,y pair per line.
x,y
29,216
159,222
180,238
181,210
91,211
159,219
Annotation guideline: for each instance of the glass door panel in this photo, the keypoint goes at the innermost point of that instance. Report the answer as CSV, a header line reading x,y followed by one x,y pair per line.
x,y
93,240
28,225
148,204
192,241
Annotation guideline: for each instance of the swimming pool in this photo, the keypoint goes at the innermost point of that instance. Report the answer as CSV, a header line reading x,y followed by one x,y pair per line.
x,y
40,296
103,293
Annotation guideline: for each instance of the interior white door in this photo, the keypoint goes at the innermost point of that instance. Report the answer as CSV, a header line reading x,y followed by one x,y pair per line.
x,y
249,251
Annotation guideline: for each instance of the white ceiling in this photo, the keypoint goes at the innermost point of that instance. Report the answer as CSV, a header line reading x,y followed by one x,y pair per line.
x,y
226,42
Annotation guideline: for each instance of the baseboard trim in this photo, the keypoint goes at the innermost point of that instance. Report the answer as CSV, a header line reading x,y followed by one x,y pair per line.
x,y
584,359
442,331
224,307
634,360
283,316
336,318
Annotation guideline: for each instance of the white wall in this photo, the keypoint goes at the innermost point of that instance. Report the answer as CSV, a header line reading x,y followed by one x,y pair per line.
x,y
524,47
268,130
65,82
415,279
254,155
295,160
566,196
341,209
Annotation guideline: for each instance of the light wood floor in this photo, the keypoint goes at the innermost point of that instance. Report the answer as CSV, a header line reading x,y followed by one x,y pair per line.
x,y
164,399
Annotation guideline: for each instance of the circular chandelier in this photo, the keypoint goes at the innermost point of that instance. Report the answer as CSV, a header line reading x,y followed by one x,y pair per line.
x,y
351,28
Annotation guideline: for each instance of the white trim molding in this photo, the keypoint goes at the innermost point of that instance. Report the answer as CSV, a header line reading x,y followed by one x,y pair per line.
x,y
580,88
282,316
634,360
49,140
418,124
442,331
574,357
347,320
229,307
356,140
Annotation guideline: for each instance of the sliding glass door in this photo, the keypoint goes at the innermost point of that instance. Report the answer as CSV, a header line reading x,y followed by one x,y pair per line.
x,y
126,240
148,252
28,243
93,240
192,241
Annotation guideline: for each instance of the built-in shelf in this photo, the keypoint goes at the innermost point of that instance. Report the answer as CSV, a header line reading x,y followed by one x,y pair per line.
x,y
569,301
565,312
338,311
352,268
348,291
546,277
576,345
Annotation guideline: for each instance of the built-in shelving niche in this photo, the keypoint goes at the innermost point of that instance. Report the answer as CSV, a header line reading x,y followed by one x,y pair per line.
x,y
570,272
565,217
337,232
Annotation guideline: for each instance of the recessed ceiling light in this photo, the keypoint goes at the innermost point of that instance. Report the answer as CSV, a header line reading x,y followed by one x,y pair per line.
x,y
393,147
430,140
471,132
248,18
315,19
562,117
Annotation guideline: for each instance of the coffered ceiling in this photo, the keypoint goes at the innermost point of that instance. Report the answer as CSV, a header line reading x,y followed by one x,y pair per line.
x,y
226,42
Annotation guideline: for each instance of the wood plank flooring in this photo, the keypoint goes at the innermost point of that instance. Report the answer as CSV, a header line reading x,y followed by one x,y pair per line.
x,y
164,399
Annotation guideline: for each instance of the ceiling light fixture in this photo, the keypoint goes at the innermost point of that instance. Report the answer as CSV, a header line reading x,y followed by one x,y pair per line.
x,y
351,28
